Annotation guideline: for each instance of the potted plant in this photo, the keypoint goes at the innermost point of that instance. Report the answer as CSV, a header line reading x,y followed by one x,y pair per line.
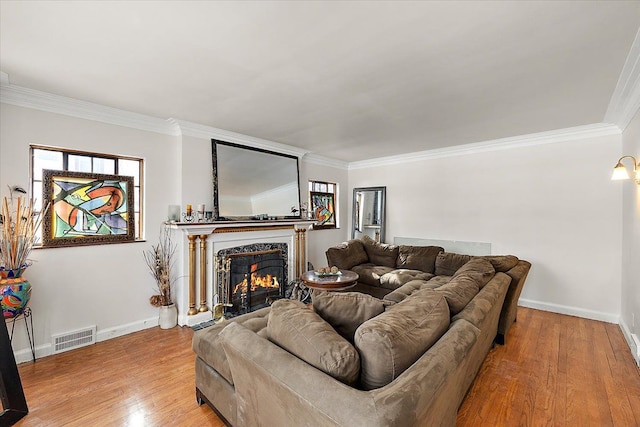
x,y
160,260
19,225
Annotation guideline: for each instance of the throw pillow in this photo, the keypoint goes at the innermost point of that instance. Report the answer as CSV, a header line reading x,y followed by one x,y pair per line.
x,y
447,263
480,270
346,255
421,258
380,253
303,333
346,311
502,263
394,340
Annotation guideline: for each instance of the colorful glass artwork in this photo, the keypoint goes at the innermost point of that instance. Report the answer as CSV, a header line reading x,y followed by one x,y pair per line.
x,y
323,209
14,296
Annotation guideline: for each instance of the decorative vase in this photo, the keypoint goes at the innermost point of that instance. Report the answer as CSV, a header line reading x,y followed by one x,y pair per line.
x,y
15,292
168,316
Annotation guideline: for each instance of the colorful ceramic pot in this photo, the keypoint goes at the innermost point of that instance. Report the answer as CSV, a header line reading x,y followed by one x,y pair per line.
x,y
15,292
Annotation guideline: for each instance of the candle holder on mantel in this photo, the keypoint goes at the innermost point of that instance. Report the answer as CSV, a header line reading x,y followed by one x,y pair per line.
x,y
188,218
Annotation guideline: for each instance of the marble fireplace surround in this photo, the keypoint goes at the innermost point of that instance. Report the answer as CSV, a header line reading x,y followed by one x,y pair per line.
x,y
195,289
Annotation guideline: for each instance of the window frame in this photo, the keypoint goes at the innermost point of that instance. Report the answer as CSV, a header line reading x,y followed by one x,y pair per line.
x,y
317,187
66,152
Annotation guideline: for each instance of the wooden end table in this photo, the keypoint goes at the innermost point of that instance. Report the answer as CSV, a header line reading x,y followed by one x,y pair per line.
x,y
341,282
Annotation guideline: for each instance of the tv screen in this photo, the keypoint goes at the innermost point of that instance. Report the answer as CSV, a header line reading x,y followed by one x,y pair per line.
x,y
252,183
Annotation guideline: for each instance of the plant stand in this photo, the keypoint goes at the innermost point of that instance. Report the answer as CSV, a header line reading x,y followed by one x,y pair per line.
x,y
26,313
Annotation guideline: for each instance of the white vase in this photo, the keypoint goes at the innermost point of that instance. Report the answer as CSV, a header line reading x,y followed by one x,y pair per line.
x,y
168,316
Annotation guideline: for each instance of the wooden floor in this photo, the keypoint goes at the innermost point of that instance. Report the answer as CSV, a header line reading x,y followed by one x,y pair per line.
x,y
554,371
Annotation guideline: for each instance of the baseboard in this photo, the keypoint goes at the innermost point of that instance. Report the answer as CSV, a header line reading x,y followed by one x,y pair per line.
x,y
44,350
632,341
571,311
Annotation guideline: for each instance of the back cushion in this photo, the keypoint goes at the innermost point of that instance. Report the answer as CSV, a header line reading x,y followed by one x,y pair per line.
x,y
480,270
502,263
346,255
346,311
421,258
394,340
380,253
458,292
299,330
447,263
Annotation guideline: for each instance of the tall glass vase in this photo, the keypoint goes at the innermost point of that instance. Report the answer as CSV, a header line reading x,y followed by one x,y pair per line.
x,y
15,292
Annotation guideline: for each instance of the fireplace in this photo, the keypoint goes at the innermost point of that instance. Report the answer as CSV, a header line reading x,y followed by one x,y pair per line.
x,y
251,276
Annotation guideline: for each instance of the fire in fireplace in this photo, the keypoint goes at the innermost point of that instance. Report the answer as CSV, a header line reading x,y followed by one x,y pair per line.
x,y
249,276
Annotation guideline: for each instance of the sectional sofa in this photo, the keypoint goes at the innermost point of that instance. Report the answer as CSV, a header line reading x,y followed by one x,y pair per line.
x,y
352,359
384,268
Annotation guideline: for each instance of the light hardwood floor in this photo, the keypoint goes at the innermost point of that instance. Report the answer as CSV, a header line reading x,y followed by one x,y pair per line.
x,y
555,370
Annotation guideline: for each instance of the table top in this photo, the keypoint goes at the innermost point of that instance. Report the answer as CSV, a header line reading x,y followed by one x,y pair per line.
x,y
336,282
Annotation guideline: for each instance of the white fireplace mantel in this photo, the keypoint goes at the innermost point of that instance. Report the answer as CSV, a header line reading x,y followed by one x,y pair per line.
x,y
195,256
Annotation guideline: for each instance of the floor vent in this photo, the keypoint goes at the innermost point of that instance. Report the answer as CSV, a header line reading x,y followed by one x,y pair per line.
x,y
71,340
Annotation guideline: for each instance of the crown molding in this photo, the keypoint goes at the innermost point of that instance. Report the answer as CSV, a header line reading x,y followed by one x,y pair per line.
x,y
208,132
38,100
319,160
625,101
548,137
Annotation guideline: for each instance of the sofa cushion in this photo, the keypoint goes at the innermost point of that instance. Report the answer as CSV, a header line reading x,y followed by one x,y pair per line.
x,y
480,270
396,278
380,253
438,281
303,333
346,311
394,340
502,263
370,274
421,258
409,289
206,342
346,255
458,292
447,263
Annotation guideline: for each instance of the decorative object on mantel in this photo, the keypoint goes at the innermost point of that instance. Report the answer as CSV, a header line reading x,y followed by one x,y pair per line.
x,y
173,213
160,260
19,222
188,215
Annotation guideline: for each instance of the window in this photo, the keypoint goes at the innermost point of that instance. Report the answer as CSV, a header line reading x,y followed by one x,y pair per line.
x,y
322,202
78,161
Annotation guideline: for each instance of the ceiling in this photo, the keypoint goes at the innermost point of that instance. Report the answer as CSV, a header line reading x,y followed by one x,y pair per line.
x,y
346,80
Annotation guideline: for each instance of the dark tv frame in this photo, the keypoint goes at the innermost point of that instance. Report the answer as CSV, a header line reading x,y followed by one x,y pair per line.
x,y
214,157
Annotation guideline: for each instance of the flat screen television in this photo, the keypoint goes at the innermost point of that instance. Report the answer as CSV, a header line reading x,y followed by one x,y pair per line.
x,y
253,184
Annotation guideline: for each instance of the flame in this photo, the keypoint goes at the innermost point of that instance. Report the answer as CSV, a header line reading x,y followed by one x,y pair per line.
x,y
257,281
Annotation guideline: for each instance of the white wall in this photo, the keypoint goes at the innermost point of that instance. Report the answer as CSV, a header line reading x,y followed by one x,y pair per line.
x,y
75,287
551,204
320,240
630,320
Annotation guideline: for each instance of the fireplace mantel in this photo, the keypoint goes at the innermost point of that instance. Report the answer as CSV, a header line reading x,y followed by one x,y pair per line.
x,y
194,265
198,228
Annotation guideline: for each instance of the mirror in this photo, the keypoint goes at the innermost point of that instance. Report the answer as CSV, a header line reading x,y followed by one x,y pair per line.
x,y
368,213
252,183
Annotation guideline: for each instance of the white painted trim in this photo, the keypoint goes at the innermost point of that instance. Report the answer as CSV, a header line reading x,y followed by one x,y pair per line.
x,y
38,100
24,355
317,159
4,78
548,137
628,336
208,132
625,100
571,311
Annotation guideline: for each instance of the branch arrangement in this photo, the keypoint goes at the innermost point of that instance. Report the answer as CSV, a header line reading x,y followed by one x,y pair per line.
x,y
160,259
19,230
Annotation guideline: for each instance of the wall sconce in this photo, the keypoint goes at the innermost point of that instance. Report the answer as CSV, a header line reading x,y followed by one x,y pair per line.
x,y
620,171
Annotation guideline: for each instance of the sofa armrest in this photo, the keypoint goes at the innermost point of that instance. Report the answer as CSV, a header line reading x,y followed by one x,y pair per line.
x,y
508,316
273,387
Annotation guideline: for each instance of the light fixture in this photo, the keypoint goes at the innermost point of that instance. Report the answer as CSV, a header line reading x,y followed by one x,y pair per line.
x,y
620,171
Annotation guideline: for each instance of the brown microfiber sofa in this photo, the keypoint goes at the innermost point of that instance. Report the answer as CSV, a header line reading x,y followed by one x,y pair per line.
x,y
352,359
384,268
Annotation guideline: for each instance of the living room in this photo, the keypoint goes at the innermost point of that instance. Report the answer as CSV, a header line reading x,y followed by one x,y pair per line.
x,y
538,189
